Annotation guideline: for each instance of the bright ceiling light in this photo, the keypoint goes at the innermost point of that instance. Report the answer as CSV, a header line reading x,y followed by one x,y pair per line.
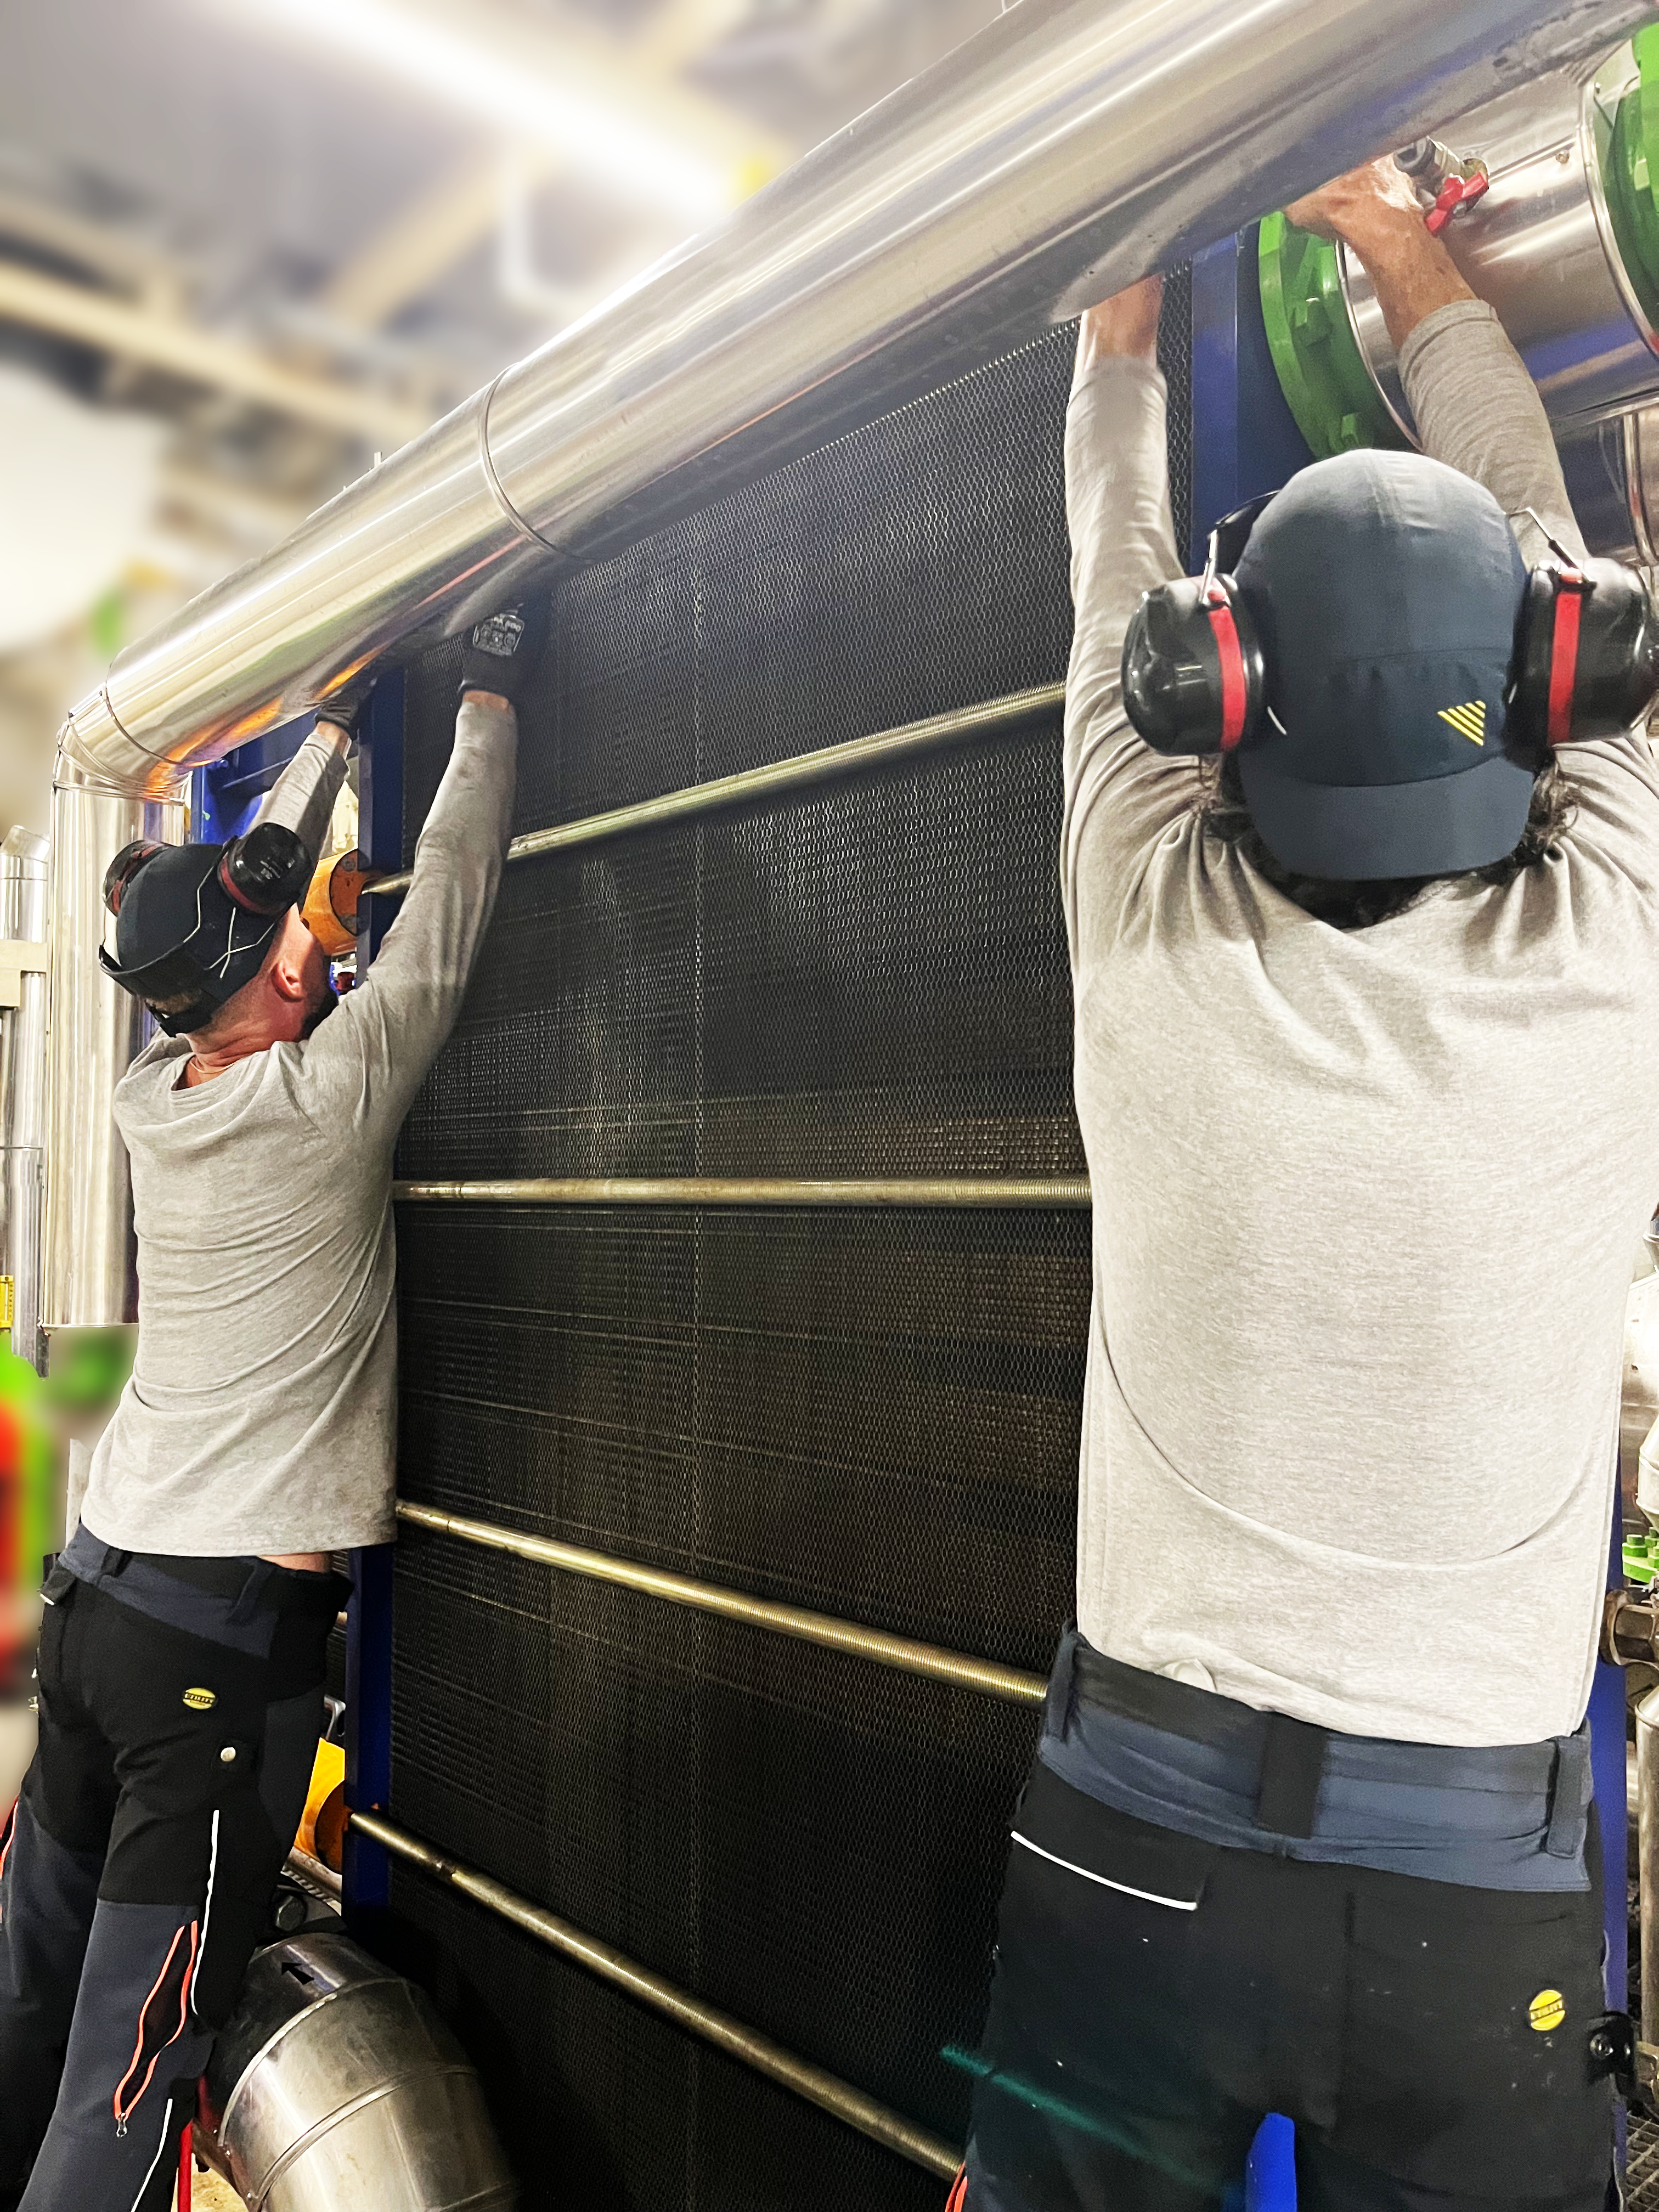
x,y
592,132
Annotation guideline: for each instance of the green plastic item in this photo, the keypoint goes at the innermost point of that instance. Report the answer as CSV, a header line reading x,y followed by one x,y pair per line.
x,y
1627,145
1641,1559
1322,371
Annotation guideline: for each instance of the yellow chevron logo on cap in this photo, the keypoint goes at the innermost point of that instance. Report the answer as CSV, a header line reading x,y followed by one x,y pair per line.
x,y
1468,720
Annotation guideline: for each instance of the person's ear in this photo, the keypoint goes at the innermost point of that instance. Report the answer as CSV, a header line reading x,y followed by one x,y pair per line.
x,y
287,970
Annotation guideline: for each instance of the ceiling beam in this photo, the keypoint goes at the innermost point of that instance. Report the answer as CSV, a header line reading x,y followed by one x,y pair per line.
x,y
442,225
165,342
435,231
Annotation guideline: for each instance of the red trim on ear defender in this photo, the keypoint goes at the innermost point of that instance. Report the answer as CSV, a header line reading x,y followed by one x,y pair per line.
x,y
1235,691
1564,654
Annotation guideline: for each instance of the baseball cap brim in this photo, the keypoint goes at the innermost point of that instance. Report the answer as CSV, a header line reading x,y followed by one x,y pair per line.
x,y
1437,827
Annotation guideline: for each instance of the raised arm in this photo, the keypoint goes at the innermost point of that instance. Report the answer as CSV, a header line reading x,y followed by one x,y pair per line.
x,y
1117,494
368,1059
302,797
1120,795
1476,408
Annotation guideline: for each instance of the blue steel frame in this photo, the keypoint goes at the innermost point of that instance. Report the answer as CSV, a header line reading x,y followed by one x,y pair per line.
x,y
1245,442
368,1620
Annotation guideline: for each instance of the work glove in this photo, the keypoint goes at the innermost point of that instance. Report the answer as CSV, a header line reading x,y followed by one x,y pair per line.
x,y
344,707
504,652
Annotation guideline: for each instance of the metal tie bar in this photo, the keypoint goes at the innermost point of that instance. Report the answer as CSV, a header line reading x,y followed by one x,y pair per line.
x,y
1066,1192
800,774
744,2044
903,1652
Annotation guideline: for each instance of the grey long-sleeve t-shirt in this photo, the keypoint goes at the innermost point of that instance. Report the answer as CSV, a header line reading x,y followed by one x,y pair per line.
x,y
261,1411
1364,1202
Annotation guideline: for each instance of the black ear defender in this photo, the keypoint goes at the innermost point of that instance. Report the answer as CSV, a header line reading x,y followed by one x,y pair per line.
x,y
1586,656
1194,675
266,872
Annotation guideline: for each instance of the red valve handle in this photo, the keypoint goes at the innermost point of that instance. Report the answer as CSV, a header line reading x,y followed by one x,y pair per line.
x,y
1455,194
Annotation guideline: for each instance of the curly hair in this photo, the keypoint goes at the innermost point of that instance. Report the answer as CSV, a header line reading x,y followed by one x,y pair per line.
x,y
1225,814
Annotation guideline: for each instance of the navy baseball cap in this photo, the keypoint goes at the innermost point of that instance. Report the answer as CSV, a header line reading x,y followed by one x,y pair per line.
x,y
179,936
1386,588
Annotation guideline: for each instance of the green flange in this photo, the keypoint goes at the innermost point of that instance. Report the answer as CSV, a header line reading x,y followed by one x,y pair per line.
x,y
1322,371
1627,146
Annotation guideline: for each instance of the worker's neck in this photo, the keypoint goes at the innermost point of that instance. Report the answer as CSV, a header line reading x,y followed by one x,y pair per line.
x,y
211,1056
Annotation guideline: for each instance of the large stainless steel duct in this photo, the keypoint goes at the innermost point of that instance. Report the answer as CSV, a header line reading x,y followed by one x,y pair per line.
x,y
88,1279
23,1085
1068,148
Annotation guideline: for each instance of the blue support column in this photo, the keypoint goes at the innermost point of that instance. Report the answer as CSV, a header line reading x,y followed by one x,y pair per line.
x,y
369,1626
1245,440
1607,1725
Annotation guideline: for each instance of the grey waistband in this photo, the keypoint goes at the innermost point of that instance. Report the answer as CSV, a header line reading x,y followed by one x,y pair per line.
x,y
1493,1817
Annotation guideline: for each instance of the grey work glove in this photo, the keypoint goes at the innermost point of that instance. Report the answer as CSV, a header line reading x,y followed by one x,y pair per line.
x,y
504,652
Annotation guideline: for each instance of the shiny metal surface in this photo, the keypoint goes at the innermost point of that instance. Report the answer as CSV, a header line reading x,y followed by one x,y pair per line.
x,y
335,2084
779,778
691,2012
422,538
95,1031
23,1086
910,1657
1539,249
1647,1873
1611,470
1068,148
1066,1191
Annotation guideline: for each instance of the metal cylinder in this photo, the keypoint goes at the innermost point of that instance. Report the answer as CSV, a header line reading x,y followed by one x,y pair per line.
x,y
1647,1794
94,1031
335,2083
23,1087
1067,150
1540,248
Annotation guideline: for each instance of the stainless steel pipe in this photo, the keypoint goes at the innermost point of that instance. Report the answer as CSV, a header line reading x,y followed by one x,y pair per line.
x,y
93,1032
23,1087
692,2012
1069,1193
1067,148
1540,248
781,778
957,1668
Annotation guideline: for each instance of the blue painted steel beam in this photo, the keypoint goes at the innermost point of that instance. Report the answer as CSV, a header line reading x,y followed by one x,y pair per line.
x,y
368,1623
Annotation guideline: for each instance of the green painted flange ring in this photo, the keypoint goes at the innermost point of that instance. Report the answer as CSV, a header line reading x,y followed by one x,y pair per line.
x,y
1627,146
1322,371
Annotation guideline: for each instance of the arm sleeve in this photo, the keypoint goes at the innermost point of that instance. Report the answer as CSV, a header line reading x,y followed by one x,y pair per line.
x,y
1120,794
302,797
366,1062
1478,410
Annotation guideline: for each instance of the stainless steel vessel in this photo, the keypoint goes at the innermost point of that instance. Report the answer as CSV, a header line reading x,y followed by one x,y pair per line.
x,y
335,2087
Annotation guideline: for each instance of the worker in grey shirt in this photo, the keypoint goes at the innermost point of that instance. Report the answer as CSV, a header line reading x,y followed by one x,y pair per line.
x,y
1367,1071
182,1657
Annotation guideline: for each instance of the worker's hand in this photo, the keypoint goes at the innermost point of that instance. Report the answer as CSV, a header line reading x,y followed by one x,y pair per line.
x,y
1377,216
1125,326
345,705
1372,204
503,653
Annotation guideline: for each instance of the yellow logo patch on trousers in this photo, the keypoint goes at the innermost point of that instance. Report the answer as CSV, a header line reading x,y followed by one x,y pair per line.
x,y
201,1701
1547,2010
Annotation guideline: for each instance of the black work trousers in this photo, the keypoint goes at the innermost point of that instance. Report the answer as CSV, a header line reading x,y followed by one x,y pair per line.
x,y
178,1728
1155,1996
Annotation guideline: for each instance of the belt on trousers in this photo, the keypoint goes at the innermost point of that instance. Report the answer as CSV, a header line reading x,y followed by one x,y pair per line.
x,y
1291,1757
250,1585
